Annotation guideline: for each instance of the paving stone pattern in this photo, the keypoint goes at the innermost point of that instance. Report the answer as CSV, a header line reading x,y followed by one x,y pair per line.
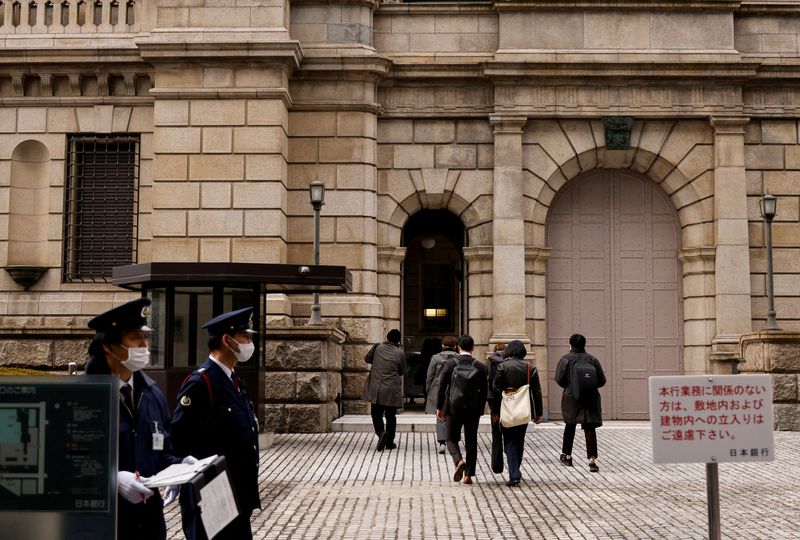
x,y
336,485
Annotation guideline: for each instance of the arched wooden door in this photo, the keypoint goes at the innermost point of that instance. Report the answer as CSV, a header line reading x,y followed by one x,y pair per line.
x,y
614,276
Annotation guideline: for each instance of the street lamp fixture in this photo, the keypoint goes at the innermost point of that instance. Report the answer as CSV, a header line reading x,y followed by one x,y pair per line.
x,y
316,193
769,204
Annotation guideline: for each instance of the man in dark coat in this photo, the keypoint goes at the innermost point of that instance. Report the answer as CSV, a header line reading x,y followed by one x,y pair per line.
x,y
384,387
214,415
586,410
470,419
432,383
145,446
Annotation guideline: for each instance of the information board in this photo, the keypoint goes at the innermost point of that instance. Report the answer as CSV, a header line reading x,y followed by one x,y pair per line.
x,y
58,456
711,418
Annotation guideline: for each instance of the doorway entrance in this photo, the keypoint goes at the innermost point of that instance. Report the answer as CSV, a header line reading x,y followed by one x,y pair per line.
x,y
432,290
614,276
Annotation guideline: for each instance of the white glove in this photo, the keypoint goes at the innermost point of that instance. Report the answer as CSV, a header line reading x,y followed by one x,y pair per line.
x,y
131,487
171,493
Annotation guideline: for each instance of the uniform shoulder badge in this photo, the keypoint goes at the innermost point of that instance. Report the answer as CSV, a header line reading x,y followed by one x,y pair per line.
x,y
186,401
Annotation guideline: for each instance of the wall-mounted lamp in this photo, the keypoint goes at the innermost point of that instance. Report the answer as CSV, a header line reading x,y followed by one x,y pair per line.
x,y
25,275
316,193
769,206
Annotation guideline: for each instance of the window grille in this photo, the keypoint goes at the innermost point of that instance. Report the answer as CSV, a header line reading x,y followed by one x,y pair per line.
x,y
101,205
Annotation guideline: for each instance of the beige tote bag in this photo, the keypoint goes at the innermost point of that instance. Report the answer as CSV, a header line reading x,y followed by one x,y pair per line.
x,y
515,407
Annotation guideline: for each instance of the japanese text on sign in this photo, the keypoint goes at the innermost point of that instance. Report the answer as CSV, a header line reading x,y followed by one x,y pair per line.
x,y
711,418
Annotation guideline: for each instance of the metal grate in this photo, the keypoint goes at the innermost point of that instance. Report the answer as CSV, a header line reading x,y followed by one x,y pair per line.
x,y
100,213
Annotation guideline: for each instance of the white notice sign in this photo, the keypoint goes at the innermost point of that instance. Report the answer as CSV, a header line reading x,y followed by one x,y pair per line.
x,y
711,418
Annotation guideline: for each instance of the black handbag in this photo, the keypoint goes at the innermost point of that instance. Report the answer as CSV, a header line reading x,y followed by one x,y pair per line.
x,y
497,448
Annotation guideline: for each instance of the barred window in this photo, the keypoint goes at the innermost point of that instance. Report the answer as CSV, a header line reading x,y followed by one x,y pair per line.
x,y
101,200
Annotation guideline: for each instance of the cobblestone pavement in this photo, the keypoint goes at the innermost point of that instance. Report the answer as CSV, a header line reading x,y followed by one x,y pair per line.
x,y
336,485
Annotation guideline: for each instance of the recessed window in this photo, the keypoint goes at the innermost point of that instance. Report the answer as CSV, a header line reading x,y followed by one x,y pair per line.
x,y
101,199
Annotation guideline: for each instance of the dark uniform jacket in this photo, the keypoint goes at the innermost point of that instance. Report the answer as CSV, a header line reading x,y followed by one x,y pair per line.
x,y
213,417
136,454
443,396
587,411
513,373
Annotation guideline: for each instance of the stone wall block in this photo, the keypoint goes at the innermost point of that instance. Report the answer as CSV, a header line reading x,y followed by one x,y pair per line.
x,y
275,418
787,416
353,383
27,353
355,406
303,418
280,386
784,387
66,351
784,358
353,357
312,387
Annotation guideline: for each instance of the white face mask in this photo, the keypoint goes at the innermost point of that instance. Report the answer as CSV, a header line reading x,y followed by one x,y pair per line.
x,y
138,358
245,351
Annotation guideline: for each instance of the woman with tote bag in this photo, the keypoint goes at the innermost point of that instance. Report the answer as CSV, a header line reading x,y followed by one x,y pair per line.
x,y
512,374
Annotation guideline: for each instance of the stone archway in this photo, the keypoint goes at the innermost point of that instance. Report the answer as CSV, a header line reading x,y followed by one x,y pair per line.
x,y
614,276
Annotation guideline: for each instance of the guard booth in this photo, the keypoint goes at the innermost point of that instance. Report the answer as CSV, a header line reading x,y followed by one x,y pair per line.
x,y
186,295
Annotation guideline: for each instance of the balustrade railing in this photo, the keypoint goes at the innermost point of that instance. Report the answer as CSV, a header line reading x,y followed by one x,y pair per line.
x,y
70,16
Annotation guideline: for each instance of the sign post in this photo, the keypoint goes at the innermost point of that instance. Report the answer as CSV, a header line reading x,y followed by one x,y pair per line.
x,y
712,419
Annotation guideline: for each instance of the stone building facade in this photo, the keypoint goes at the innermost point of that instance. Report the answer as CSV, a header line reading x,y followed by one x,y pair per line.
x,y
511,169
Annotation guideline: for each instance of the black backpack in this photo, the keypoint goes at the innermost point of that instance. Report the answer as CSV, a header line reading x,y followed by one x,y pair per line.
x,y
465,387
582,378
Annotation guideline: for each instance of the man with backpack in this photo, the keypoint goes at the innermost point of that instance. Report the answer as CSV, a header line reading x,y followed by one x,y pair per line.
x,y
461,400
580,375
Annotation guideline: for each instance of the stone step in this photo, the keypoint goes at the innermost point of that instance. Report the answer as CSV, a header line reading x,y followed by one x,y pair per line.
x,y
426,423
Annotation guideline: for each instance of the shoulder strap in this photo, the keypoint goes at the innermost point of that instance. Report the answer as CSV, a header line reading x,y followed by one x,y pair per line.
x,y
529,372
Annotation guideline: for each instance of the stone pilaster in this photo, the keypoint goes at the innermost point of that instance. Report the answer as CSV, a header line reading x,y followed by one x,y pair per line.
x,y
508,232
698,307
479,285
732,265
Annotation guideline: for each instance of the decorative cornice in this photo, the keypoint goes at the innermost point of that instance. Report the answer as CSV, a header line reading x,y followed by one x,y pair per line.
x,y
169,47
228,93
697,260
365,3
611,5
358,106
443,8
769,7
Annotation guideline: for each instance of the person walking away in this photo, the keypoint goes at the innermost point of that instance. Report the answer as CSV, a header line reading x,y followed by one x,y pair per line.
x,y
513,373
497,434
214,415
120,347
432,383
461,400
384,387
580,375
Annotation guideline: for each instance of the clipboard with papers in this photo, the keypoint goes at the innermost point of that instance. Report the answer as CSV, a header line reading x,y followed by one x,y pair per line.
x,y
211,489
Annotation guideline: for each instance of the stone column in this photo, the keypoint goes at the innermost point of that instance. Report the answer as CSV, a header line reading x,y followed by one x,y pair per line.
x,y
508,232
732,265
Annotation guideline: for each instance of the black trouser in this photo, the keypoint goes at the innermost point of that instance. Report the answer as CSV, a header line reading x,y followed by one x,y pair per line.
x,y
470,424
514,445
391,420
569,437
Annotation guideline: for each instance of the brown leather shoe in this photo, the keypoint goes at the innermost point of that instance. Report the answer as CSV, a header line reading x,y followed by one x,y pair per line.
x,y
467,479
459,474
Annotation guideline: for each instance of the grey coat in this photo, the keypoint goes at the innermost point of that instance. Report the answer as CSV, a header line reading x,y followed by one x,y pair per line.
x,y
384,385
587,412
433,380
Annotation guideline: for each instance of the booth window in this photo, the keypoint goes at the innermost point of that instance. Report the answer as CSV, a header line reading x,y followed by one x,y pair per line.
x,y
101,198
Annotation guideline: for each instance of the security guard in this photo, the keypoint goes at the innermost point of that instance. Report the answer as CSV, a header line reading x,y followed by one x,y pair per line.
x,y
120,347
214,415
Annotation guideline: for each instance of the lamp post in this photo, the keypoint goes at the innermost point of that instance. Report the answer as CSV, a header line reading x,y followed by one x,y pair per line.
x,y
316,192
769,205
